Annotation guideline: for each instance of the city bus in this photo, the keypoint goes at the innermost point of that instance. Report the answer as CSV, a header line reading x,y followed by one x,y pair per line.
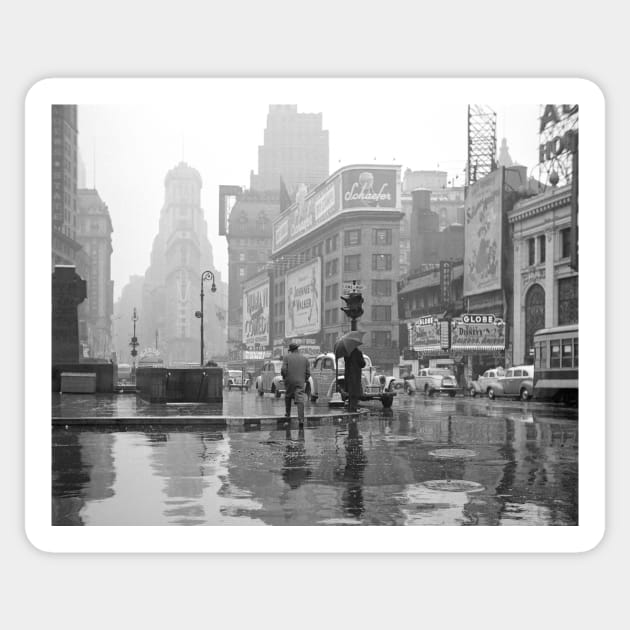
x,y
556,364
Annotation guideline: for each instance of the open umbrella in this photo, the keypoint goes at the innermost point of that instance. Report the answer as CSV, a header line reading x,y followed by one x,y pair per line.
x,y
348,342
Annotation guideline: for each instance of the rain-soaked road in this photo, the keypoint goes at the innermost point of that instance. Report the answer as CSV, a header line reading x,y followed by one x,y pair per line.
x,y
436,461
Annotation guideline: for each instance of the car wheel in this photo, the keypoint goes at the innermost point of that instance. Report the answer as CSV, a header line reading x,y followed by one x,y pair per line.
x,y
451,394
524,394
473,392
387,401
491,393
275,391
260,391
426,390
229,388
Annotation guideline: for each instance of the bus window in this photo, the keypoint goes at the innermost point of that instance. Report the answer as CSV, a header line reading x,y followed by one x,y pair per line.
x,y
542,355
567,353
555,354
575,352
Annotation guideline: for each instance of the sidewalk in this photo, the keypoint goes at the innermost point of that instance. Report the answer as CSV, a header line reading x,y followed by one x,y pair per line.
x,y
238,409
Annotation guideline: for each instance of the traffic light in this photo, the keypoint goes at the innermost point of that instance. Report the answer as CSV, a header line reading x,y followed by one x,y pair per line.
x,y
354,305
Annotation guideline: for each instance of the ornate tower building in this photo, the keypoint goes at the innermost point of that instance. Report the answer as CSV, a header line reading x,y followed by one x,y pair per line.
x,y
181,252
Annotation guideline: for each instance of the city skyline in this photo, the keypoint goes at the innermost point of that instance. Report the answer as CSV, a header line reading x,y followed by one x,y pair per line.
x,y
127,149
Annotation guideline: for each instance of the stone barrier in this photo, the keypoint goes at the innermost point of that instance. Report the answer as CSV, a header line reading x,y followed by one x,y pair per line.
x,y
168,385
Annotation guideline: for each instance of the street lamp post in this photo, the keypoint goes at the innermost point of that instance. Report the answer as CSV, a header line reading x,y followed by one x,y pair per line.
x,y
206,275
134,341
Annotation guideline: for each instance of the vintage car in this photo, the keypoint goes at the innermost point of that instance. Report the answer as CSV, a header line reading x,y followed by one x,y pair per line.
x,y
434,380
270,379
484,381
321,384
518,382
237,379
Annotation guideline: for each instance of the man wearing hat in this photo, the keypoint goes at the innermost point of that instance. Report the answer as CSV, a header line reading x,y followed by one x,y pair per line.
x,y
295,372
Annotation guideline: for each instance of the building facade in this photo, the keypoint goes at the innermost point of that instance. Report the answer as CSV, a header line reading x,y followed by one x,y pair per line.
x,y
172,284
94,233
346,230
249,251
545,284
65,247
295,148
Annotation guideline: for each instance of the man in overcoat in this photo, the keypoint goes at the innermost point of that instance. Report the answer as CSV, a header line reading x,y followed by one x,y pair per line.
x,y
295,372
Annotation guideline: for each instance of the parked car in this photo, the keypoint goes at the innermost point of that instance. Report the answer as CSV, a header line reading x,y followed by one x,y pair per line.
x,y
321,383
484,381
236,379
518,382
436,380
270,379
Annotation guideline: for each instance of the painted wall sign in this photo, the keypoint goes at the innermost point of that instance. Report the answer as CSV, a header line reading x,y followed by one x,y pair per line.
x,y
256,315
302,314
483,234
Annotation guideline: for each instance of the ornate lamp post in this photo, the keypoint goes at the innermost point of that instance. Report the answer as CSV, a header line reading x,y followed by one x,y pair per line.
x,y
206,275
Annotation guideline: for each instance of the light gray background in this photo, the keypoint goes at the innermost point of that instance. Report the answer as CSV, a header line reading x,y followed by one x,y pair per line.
x,y
324,38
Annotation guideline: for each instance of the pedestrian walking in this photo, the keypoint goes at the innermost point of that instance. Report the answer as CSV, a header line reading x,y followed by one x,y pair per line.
x,y
353,364
295,372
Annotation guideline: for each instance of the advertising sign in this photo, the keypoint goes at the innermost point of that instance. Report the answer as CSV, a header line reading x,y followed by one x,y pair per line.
x,y
302,315
369,187
256,315
482,235
308,212
424,334
471,335
445,283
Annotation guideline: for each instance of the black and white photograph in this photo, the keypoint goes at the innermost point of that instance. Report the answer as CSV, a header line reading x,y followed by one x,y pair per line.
x,y
307,307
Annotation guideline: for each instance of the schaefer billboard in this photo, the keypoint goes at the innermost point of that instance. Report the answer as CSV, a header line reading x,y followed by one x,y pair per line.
x,y
348,188
369,187
302,311
483,234
256,315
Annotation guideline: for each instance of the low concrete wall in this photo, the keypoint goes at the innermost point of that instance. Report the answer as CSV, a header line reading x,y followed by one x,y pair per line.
x,y
162,385
104,375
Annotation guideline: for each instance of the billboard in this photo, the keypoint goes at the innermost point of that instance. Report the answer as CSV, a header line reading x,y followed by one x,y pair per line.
x,y
256,315
359,187
480,333
483,215
369,187
302,309
424,334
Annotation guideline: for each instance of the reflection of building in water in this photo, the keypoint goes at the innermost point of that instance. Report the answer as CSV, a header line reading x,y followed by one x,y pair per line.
x,y
82,471
179,461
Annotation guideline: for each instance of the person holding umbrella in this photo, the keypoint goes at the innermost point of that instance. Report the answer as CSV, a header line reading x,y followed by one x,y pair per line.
x,y
295,372
348,348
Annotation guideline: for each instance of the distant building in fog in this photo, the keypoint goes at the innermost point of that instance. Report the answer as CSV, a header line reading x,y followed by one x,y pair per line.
x,y
295,148
171,292
94,233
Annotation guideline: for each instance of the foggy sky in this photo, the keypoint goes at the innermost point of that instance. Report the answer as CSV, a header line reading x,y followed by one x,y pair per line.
x,y
127,149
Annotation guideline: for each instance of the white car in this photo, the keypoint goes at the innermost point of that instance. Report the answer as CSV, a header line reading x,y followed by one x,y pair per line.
x,y
435,380
270,379
485,381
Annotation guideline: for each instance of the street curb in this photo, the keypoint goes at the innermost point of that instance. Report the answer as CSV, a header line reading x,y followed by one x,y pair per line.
x,y
186,421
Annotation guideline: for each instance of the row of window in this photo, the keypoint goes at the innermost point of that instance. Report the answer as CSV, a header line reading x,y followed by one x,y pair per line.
x,y
352,263
536,247
380,236
557,353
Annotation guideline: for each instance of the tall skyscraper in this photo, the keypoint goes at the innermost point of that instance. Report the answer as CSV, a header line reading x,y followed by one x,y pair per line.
x,y
171,292
94,233
65,248
295,148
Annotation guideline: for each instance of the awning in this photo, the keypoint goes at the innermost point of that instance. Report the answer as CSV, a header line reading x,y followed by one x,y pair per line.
x,y
477,348
427,349
561,383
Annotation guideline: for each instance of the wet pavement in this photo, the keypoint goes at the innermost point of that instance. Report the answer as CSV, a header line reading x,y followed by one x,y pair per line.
x,y
426,461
